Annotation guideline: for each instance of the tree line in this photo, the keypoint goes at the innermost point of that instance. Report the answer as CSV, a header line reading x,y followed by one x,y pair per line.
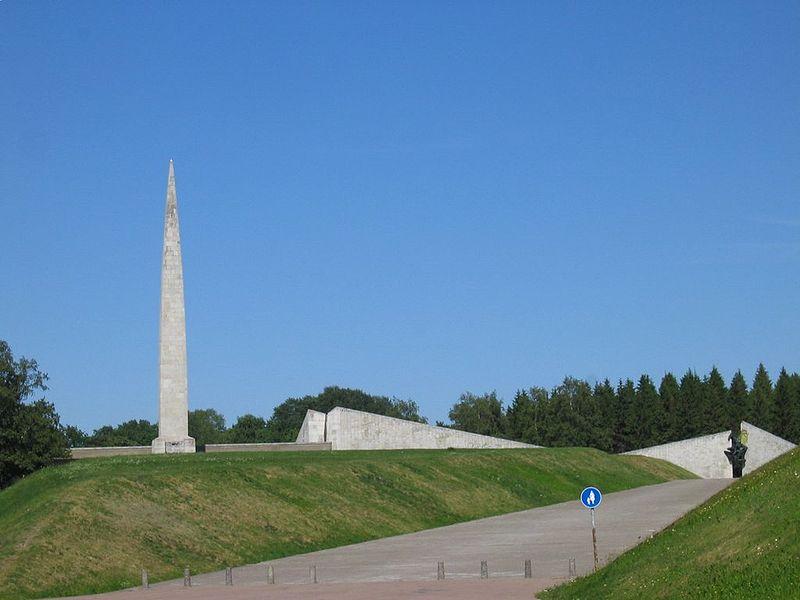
x,y
631,415
207,426
614,418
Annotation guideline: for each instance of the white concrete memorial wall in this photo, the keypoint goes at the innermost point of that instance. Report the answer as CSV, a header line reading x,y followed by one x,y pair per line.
x,y
705,455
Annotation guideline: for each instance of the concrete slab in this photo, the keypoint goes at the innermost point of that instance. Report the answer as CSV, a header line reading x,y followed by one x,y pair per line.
x,y
549,536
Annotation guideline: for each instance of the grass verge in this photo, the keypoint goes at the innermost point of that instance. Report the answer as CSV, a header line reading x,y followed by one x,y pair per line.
x,y
743,543
90,526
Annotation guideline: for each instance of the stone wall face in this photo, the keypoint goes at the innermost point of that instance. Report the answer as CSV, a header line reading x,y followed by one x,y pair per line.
x,y
78,453
705,456
271,447
762,447
312,431
349,429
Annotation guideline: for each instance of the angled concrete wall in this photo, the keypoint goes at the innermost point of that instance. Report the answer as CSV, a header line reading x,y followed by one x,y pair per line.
x,y
348,429
312,431
762,447
705,455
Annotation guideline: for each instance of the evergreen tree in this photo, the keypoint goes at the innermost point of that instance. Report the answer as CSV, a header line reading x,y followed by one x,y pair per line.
x,y
625,430
546,418
690,414
762,401
786,406
520,415
589,410
647,414
716,418
561,429
737,402
793,418
524,416
670,399
606,402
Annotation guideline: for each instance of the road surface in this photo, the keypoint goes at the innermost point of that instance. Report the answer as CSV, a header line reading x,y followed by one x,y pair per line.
x,y
405,566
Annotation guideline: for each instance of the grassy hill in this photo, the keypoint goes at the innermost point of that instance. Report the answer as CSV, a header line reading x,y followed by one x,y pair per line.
x,y
743,543
91,525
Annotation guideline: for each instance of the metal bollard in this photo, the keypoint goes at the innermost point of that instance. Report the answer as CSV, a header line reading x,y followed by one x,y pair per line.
x,y
187,578
528,569
145,581
312,573
440,570
484,570
229,576
270,574
573,571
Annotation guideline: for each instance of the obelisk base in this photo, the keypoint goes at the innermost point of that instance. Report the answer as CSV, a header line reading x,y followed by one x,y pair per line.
x,y
172,446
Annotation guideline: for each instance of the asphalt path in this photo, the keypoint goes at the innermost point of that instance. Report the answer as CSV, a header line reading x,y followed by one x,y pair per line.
x,y
405,566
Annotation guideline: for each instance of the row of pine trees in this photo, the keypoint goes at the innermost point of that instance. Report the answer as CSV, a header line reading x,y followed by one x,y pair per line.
x,y
638,414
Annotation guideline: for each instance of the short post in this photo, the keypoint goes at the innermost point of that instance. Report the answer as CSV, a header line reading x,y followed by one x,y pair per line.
x,y
573,571
484,570
312,573
145,581
528,569
187,578
228,576
440,570
594,542
270,574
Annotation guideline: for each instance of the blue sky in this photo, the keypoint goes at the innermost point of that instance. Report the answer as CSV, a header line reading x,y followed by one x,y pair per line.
x,y
412,198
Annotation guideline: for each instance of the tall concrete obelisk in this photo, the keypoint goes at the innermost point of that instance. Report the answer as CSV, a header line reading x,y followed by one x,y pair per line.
x,y
173,386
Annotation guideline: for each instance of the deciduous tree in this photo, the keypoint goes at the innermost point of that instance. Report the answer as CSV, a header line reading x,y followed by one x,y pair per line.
x,y
479,414
206,426
30,432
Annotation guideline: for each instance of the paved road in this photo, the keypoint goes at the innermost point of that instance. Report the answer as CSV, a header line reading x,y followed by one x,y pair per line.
x,y
549,536
460,589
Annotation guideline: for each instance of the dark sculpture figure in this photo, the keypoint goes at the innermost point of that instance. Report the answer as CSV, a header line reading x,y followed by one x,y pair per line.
x,y
736,453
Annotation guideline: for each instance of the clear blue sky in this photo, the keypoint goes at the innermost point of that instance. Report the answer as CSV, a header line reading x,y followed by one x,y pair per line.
x,y
412,198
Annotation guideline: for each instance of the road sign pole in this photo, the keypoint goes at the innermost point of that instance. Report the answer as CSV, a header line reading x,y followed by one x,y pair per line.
x,y
591,497
594,541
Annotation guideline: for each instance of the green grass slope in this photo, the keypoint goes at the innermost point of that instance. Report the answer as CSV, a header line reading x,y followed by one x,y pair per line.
x,y
91,525
743,543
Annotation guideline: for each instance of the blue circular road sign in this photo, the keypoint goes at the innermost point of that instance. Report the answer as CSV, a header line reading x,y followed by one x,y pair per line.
x,y
591,497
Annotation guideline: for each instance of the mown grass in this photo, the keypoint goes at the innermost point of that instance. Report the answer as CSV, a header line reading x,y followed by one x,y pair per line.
x,y
92,525
743,543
